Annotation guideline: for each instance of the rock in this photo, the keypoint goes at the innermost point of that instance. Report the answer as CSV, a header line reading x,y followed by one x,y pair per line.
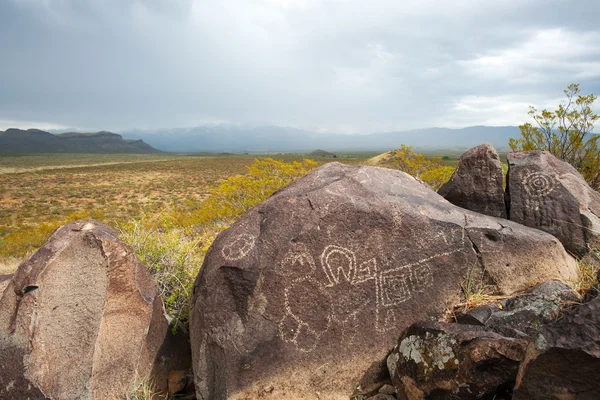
x,y
522,315
563,361
382,396
181,383
311,287
4,280
387,389
453,361
549,194
477,183
82,318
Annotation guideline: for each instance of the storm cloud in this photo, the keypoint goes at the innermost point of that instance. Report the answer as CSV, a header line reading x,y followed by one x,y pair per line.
x,y
325,65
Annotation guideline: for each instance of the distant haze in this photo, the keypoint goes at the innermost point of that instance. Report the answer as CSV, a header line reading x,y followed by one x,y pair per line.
x,y
255,139
325,66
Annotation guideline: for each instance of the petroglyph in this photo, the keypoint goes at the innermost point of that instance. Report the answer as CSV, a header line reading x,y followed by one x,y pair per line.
x,y
398,285
239,247
538,184
343,293
337,261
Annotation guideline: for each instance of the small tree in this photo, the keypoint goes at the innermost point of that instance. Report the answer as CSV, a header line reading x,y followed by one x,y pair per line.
x,y
566,133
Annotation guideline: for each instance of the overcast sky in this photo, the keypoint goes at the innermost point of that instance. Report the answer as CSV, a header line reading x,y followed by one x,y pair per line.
x,y
329,65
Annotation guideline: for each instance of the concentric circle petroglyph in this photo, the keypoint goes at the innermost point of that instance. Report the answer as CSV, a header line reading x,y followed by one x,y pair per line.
x,y
239,247
538,184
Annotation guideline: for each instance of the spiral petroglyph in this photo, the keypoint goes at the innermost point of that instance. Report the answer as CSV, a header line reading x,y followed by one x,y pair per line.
x,y
538,184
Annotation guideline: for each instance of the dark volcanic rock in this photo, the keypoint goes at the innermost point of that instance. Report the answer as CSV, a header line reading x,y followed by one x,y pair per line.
x,y
521,316
311,287
82,318
549,194
563,361
477,182
453,361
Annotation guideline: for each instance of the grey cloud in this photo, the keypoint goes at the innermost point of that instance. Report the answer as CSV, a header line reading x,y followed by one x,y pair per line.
x,y
334,65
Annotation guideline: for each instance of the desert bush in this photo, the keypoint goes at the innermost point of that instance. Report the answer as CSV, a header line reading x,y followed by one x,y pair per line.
x,y
430,170
174,242
566,133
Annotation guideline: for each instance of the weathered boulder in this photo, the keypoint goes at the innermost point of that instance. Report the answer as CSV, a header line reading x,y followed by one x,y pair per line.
x,y
81,319
4,280
453,361
546,193
563,361
311,287
521,316
477,183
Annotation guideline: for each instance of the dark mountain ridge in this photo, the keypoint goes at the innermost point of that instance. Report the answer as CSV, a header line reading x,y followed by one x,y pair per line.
x,y
31,141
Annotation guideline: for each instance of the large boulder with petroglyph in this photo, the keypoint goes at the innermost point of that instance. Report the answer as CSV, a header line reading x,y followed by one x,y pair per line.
x,y
313,286
549,194
477,183
81,319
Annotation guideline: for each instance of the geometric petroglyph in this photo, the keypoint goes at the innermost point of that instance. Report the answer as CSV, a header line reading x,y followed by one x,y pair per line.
x,y
538,184
398,285
239,247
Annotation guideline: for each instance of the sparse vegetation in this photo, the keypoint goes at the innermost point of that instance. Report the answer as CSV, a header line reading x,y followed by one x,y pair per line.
x,y
587,275
566,133
433,170
169,208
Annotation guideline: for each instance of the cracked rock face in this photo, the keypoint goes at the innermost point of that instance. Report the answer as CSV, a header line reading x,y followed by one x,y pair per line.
x,y
453,361
549,194
563,360
476,184
521,316
312,286
79,319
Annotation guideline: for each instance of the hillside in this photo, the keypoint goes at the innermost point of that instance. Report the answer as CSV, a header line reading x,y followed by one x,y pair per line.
x,y
31,141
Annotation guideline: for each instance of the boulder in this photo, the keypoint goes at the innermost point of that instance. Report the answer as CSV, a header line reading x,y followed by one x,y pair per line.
x,y
4,280
563,361
311,287
453,361
521,316
546,193
477,183
81,319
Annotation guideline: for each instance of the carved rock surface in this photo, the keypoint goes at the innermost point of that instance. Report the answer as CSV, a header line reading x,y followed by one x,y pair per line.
x,y
549,194
477,182
563,361
453,361
521,316
311,287
81,319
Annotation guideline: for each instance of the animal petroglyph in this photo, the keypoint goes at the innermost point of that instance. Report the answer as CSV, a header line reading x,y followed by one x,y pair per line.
x,y
538,184
239,247
314,301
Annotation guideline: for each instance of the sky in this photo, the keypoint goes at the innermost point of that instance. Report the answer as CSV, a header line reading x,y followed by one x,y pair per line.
x,y
347,66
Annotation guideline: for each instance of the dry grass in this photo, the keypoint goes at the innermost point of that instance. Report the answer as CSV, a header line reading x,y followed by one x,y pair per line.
x,y
587,276
48,191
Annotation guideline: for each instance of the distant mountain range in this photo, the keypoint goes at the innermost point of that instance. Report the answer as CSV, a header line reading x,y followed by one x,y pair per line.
x,y
239,138
17,141
250,139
